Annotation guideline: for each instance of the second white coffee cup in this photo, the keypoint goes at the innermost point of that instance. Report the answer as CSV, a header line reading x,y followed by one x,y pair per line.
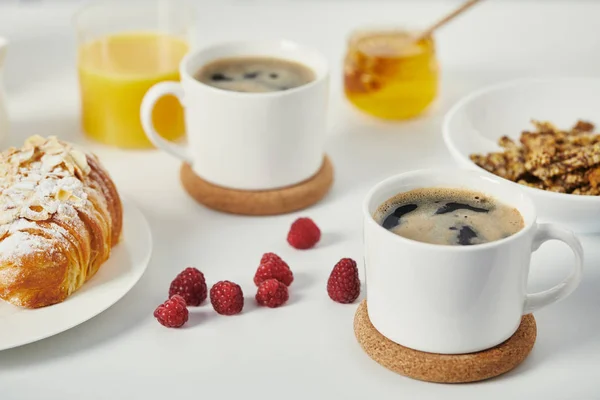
x,y
456,299
248,141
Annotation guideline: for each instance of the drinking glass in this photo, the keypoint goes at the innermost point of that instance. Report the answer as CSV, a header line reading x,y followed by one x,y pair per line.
x,y
125,47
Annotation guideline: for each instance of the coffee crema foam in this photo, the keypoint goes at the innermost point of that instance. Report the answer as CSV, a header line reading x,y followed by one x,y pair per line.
x,y
455,217
255,74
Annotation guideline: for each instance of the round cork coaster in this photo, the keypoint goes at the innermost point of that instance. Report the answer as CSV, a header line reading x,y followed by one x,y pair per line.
x,y
445,368
262,202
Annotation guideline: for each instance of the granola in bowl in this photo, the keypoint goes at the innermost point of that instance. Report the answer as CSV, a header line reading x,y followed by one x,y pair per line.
x,y
549,158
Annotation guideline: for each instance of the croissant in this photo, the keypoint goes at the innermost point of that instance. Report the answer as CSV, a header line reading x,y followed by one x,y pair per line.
x,y
60,216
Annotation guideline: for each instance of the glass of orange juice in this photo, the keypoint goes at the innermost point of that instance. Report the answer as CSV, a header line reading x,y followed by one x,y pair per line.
x,y
125,47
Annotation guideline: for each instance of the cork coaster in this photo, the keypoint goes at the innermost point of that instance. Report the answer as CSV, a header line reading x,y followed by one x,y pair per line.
x,y
265,202
445,368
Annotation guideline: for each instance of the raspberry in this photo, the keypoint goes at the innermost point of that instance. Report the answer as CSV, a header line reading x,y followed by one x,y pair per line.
x,y
191,285
272,293
227,298
272,266
303,234
343,284
173,313
271,257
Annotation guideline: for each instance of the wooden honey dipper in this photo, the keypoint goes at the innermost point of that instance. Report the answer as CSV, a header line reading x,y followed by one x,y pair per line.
x,y
447,18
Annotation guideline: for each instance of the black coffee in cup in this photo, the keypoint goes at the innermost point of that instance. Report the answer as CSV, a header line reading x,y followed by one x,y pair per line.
x,y
255,74
448,217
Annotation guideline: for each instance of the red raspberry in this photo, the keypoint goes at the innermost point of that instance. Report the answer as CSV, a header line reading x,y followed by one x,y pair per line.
x,y
272,293
173,313
191,285
303,234
227,298
272,266
271,257
343,284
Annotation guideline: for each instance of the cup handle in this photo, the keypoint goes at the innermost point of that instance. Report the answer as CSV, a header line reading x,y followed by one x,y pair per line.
x,y
539,300
150,98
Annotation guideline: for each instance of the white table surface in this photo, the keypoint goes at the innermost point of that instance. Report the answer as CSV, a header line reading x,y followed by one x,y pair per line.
x,y
306,349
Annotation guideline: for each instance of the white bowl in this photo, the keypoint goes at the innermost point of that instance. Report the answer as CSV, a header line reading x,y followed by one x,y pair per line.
x,y
476,122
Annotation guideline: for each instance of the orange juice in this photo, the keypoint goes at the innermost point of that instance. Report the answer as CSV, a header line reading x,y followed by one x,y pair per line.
x,y
114,74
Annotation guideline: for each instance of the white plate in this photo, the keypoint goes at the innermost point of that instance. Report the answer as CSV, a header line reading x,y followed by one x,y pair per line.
x,y
113,280
476,122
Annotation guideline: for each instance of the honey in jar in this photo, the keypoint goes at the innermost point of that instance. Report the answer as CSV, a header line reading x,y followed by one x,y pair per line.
x,y
390,75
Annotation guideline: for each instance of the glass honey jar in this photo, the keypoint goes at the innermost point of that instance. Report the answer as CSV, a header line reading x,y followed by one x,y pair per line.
x,y
389,75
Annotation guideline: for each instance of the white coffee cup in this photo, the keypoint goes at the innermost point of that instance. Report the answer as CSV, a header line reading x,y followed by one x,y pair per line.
x,y
456,299
248,141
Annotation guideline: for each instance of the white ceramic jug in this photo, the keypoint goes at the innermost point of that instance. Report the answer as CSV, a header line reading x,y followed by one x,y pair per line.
x,y
3,105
